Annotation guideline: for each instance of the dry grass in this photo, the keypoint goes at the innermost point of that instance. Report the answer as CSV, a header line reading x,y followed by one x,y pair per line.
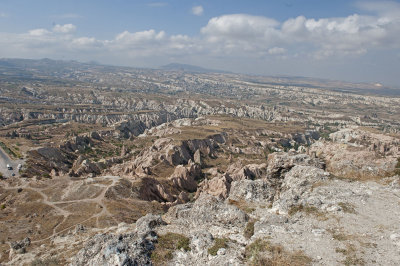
x,y
347,207
243,205
166,245
351,257
46,262
262,252
249,229
218,244
309,210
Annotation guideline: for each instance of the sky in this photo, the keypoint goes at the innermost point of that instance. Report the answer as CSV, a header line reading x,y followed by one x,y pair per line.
x,y
334,39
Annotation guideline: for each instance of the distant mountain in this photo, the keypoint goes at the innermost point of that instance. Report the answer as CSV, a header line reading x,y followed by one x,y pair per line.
x,y
190,68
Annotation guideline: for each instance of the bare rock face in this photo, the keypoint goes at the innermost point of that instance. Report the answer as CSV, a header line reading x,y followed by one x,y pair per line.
x,y
45,159
185,177
355,153
206,211
152,189
197,157
280,163
84,166
259,191
124,249
296,186
173,153
218,186
238,171
77,143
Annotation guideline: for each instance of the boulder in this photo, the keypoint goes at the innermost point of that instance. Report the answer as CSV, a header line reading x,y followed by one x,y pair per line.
x,y
258,191
282,162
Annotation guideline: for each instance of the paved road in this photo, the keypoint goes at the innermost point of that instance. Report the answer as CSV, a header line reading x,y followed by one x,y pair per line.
x,y
4,160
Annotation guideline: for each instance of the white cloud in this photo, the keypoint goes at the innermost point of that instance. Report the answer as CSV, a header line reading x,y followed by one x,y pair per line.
x,y
66,28
3,15
240,37
354,34
85,41
39,32
197,10
247,35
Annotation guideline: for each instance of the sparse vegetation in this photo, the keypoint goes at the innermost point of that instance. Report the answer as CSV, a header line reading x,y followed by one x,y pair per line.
x,y
166,245
351,257
46,262
218,244
46,175
243,205
262,252
8,150
310,210
397,168
347,207
249,229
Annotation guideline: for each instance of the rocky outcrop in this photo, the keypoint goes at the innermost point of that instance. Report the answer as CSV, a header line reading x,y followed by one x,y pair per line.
x,y
44,160
184,177
280,163
296,186
359,154
250,171
83,166
205,212
172,153
78,143
219,186
124,249
151,189
259,191
20,246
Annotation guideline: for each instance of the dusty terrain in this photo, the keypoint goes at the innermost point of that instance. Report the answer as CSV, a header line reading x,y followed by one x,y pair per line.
x,y
126,166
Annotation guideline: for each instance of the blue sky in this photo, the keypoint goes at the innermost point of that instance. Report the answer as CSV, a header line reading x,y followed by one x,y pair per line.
x,y
347,40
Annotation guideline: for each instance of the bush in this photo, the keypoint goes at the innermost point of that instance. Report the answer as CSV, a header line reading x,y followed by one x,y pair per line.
x,y
46,175
219,243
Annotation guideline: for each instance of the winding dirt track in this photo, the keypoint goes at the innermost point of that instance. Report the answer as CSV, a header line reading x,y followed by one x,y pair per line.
x,y
65,213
